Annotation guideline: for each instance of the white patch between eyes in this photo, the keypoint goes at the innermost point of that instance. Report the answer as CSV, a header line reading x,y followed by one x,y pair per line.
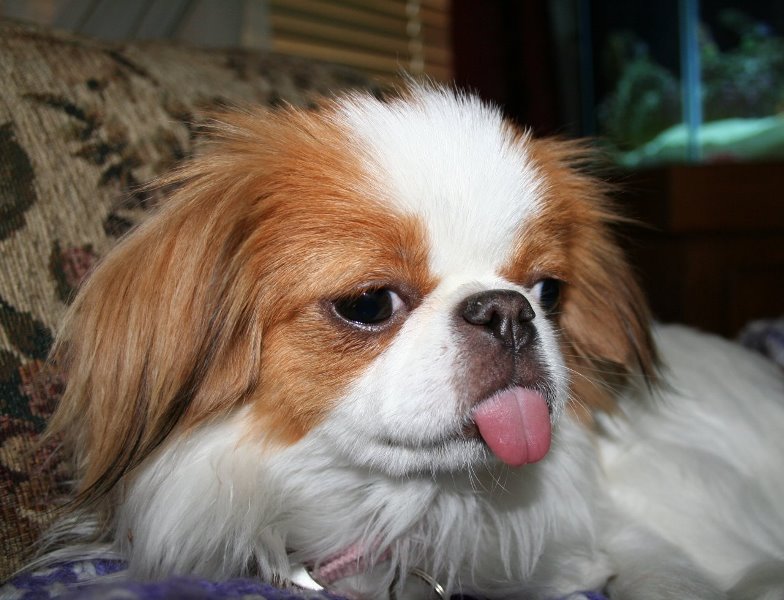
x,y
451,161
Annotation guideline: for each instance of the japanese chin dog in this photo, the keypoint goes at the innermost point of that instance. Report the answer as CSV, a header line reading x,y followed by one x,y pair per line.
x,y
391,348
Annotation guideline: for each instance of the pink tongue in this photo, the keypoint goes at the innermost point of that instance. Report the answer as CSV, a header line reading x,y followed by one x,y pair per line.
x,y
515,424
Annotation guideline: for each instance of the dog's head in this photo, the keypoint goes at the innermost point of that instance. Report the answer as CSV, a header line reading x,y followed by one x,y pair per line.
x,y
417,280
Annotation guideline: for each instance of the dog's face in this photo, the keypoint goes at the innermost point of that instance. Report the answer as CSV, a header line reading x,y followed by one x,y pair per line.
x,y
415,282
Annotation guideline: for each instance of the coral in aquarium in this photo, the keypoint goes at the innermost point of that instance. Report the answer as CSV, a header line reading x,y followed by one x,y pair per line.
x,y
646,99
742,90
747,80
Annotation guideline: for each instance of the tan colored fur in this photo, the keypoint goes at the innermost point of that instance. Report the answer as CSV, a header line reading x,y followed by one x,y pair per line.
x,y
603,315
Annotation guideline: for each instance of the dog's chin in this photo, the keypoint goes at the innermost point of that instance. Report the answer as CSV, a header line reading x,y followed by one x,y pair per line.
x,y
405,457
458,447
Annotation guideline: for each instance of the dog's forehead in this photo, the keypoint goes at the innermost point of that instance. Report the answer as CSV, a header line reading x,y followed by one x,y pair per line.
x,y
458,166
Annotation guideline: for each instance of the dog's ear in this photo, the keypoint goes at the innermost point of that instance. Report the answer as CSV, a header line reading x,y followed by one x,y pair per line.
x,y
605,320
165,332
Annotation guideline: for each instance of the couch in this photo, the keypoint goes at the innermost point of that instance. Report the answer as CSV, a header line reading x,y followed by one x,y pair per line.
x,y
83,125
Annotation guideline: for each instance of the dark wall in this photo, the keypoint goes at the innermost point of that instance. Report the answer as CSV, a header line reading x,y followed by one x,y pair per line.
x,y
503,50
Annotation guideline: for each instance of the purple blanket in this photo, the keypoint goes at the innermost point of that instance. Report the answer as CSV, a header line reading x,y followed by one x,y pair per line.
x,y
766,337
67,582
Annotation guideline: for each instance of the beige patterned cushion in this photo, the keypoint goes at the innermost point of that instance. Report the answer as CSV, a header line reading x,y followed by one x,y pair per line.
x,y
82,125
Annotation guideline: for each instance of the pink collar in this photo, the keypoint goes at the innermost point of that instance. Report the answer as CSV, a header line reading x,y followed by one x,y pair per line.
x,y
352,561
348,563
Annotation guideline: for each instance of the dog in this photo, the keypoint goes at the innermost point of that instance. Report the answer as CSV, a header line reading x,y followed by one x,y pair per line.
x,y
392,348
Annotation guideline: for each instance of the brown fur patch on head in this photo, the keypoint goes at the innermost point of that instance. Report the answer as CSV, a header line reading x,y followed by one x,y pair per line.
x,y
220,299
603,316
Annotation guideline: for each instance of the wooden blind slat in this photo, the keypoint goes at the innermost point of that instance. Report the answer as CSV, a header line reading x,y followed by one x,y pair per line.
x,y
434,18
439,73
351,58
344,36
432,12
339,13
341,34
371,35
438,36
433,59
386,7
442,5
437,55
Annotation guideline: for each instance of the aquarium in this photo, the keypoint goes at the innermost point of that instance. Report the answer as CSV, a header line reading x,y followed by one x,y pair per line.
x,y
686,81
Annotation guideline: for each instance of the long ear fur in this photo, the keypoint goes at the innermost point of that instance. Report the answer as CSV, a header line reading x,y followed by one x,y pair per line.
x,y
605,320
166,332
153,326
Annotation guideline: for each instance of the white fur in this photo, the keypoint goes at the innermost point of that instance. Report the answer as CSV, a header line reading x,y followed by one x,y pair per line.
x,y
679,497
473,184
671,493
702,466
212,505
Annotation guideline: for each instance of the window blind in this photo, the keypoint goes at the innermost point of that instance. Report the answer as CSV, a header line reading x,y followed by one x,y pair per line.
x,y
381,37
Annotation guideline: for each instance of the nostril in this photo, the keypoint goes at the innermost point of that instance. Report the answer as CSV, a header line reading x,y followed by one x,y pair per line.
x,y
502,313
480,310
526,313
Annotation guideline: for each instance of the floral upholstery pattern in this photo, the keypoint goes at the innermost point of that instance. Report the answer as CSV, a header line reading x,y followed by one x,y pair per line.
x,y
83,126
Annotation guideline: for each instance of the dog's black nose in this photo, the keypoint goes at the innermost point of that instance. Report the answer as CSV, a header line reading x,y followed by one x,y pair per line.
x,y
506,314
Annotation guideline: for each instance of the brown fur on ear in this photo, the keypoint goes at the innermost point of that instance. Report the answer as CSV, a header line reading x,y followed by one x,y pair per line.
x,y
166,333
604,317
149,330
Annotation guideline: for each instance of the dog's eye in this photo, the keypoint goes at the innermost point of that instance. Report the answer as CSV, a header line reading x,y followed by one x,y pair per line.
x,y
548,293
371,307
